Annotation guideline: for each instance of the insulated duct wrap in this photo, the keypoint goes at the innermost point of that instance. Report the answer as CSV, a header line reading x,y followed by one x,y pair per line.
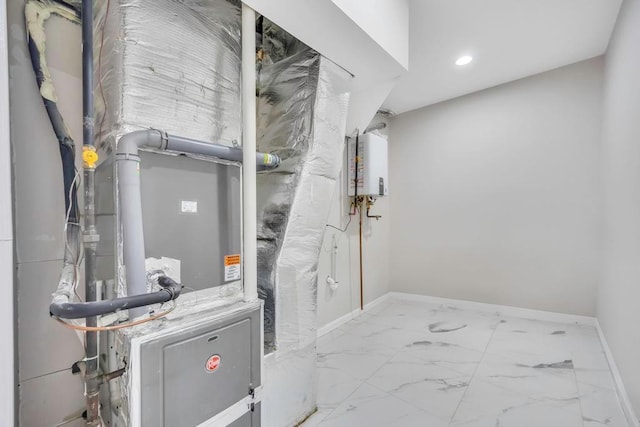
x,y
170,65
164,64
287,91
302,110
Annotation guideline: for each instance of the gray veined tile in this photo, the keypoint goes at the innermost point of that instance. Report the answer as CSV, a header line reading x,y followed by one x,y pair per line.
x,y
416,419
328,337
398,320
435,389
600,407
334,386
371,407
455,357
489,404
316,419
530,376
353,344
387,337
524,339
536,326
474,337
589,354
354,356
597,378
420,364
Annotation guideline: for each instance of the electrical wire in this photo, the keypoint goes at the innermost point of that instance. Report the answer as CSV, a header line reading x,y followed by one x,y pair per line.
x,y
76,255
115,327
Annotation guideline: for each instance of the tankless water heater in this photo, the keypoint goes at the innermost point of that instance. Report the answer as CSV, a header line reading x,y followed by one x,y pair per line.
x,y
372,167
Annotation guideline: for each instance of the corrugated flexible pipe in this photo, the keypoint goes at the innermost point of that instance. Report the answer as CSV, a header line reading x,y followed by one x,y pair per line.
x,y
79,310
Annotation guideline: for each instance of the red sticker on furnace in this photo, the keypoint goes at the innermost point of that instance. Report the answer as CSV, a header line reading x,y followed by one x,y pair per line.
x,y
213,363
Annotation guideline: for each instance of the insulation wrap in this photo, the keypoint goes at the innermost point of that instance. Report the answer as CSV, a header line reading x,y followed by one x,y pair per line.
x,y
302,109
169,65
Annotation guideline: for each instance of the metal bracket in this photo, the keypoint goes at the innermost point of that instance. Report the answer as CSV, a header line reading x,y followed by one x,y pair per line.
x,y
91,238
252,393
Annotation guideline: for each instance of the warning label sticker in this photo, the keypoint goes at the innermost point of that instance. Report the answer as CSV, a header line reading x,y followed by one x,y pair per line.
x,y
231,267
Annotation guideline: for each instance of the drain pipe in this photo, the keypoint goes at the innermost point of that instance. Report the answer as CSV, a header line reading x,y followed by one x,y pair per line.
x,y
91,237
249,209
128,170
128,173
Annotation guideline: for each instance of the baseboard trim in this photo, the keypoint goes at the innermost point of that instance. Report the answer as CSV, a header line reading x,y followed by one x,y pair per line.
x,y
376,302
500,310
632,418
335,324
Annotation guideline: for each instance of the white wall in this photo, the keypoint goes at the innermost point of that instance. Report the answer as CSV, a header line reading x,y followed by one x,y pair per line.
x,y
364,104
376,55
386,22
496,195
619,292
7,369
334,304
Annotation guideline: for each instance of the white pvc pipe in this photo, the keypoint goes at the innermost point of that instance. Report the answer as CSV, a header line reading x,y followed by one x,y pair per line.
x,y
249,212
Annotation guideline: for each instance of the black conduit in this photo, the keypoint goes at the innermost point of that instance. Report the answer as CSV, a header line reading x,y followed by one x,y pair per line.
x,y
79,310
65,142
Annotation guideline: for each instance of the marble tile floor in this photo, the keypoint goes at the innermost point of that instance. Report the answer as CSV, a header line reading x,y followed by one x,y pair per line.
x,y
410,364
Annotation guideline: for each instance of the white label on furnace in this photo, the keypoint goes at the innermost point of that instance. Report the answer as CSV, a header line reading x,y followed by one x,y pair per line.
x,y
189,206
231,267
231,272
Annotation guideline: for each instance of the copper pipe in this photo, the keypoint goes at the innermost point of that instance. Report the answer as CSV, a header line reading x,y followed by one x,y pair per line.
x,y
359,202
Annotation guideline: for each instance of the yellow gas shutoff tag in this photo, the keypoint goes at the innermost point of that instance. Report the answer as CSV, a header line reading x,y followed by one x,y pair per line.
x,y
89,156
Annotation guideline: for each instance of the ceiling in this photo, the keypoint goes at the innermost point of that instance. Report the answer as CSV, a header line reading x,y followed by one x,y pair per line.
x,y
508,39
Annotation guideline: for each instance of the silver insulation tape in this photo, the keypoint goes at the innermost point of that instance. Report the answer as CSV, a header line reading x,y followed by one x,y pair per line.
x,y
302,109
291,374
169,65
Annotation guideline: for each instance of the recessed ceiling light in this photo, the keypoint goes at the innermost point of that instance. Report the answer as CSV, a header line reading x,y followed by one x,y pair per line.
x,y
464,60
